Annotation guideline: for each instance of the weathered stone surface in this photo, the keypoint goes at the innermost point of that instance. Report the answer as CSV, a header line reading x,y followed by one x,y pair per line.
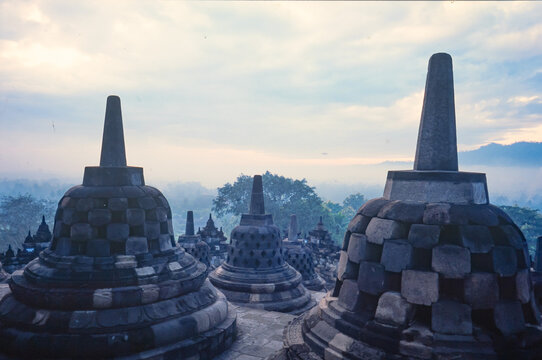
x,y
357,247
476,238
451,261
424,236
346,269
117,204
371,278
396,255
515,238
349,296
450,317
444,214
136,245
358,224
537,263
504,260
98,247
509,317
152,229
392,309
80,232
135,217
63,246
379,230
372,207
437,145
481,290
410,212
523,286
99,217
118,232
420,287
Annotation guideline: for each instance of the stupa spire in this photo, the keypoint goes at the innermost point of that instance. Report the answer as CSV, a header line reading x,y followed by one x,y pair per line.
x,y
189,223
113,150
292,230
437,143
256,198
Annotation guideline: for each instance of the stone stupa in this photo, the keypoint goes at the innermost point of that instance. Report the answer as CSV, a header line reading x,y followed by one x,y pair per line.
x,y
299,256
112,284
431,270
192,243
255,273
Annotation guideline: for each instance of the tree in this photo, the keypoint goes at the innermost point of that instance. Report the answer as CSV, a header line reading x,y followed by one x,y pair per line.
x,y
354,201
18,215
528,220
282,196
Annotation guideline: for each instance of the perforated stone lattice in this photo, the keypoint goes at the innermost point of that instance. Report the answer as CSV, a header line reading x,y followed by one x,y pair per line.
x,y
256,248
107,221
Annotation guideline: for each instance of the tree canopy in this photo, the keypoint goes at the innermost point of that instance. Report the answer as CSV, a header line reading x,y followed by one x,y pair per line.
x,y
283,197
19,214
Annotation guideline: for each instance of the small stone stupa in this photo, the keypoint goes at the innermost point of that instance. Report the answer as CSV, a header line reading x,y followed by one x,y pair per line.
x,y
113,284
299,257
192,243
43,235
255,273
431,270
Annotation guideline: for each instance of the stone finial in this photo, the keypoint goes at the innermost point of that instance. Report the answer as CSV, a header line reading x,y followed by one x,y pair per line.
x,y
292,230
189,223
43,219
113,151
320,222
256,199
437,143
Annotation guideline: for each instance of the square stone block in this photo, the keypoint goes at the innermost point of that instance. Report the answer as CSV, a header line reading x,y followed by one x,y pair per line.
x,y
117,232
146,202
396,255
424,236
135,217
118,204
357,247
63,247
349,296
152,229
371,278
392,309
515,238
98,247
80,232
99,217
136,245
358,224
509,317
379,230
504,260
523,286
372,207
165,242
161,214
451,261
476,238
346,269
68,216
406,211
420,287
450,317
444,214
481,290
84,204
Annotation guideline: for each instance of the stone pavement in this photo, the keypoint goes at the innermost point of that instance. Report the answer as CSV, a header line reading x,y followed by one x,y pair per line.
x,y
259,333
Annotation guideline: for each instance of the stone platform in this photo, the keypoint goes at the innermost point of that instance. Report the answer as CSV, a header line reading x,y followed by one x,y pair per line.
x,y
259,332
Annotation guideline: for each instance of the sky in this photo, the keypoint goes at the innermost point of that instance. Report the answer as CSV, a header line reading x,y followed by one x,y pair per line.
x,y
210,90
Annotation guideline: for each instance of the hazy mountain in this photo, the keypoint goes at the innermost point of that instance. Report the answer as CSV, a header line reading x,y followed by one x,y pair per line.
x,y
526,154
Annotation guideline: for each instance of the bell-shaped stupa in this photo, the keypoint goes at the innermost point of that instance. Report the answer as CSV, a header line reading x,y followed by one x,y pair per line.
x,y
299,256
255,273
113,284
431,270
192,243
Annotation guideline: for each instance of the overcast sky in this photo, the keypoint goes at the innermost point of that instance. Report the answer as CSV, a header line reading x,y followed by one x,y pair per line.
x,y
210,90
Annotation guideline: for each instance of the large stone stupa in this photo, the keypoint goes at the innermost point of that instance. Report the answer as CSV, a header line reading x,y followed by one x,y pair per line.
x,y
255,273
431,270
113,284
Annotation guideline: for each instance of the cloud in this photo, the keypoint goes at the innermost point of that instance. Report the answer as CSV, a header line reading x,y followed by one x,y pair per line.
x,y
210,89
